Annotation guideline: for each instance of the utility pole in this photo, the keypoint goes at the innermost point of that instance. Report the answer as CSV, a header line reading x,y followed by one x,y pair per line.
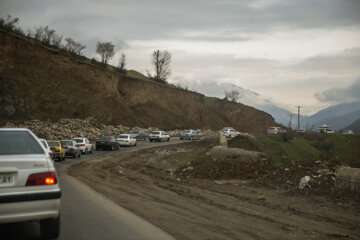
x,y
290,121
298,107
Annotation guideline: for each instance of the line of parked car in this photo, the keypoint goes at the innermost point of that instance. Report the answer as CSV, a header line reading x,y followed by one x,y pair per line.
x,y
60,149
131,138
74,148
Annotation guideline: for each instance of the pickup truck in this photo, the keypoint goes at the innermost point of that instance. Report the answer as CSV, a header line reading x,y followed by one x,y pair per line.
x,y
159,136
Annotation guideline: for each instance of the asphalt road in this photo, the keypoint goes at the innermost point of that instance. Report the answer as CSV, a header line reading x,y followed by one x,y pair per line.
x,y
87,215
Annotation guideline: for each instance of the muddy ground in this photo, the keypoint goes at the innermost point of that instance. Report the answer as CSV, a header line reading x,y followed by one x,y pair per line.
x,y
146,182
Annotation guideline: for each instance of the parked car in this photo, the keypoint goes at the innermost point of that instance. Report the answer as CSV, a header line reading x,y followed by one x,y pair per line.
x,y
159,136
191,134
230,132
84,145
71,150
57,149
29,189
126,140
139,136
47,147
107,143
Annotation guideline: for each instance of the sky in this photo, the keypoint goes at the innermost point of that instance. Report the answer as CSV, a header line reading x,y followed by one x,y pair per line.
x,y
299,52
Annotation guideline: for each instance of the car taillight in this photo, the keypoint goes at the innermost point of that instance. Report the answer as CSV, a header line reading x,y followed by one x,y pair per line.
x,y
44,178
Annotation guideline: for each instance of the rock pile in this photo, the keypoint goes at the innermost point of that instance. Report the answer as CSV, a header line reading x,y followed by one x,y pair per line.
x,y
69,128
90,128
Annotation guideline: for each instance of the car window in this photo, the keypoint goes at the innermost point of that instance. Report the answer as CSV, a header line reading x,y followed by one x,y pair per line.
x,y
54,144
107,138
67,143
18,142
123,136
79,140
155,132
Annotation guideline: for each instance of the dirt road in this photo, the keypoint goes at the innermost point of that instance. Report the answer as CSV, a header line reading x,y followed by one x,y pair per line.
x,y
200,209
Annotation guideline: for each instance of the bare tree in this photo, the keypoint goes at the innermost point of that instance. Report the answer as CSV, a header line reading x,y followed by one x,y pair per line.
x,y
232,95
9,22
56,40
74,46
161,61
39,33
122,62
106,50
48,35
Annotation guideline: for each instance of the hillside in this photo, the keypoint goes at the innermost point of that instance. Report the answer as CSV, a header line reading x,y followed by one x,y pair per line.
x,y
355,126
38,82
337,116
246,96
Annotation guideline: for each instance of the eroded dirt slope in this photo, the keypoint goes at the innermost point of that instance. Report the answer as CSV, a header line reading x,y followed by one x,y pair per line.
x,y
38,82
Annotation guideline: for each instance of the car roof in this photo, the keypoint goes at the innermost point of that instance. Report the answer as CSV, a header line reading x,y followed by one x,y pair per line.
x,y
15,129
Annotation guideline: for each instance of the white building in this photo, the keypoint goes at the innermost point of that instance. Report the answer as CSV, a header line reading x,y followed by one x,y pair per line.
x,y
275,130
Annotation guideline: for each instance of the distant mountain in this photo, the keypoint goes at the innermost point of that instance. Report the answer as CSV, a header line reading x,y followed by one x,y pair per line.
x,y
337,117
355,126
247,97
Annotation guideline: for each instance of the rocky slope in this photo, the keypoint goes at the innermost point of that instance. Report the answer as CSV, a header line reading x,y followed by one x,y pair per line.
x,y
38,82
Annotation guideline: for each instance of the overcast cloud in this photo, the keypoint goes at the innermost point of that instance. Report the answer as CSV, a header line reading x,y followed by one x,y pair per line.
x,y
336,95
291,51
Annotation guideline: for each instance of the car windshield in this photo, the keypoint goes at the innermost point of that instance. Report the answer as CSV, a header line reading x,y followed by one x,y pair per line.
x,y
78,140
18,142
124,136
54,144
67,143
155,133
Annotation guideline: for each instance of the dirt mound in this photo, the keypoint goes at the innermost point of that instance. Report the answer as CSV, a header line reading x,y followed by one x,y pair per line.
x,y
245,142
227,163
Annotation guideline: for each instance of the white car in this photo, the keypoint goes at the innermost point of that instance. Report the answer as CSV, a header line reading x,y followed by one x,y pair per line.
x,y
84,145
230,132
159,136
191,134
126,140
47,147
29,188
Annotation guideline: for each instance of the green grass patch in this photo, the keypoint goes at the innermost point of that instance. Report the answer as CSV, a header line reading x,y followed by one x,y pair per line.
x,y
283,153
